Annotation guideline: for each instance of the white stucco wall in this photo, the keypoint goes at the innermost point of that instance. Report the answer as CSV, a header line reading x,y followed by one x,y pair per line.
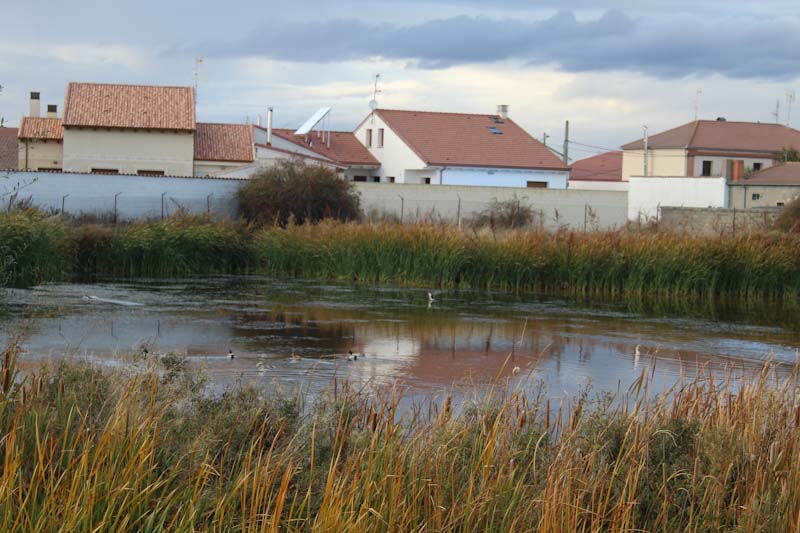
x,y
598,185
41,154
395,156
140,196
128,151
502,177
646,195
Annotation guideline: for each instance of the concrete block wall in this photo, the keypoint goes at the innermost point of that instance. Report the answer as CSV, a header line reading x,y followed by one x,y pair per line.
x,y
720,221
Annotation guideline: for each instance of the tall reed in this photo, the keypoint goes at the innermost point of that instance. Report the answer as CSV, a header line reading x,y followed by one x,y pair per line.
x,y
89,450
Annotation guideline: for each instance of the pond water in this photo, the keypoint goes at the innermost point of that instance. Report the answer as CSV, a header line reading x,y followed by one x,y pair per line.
x,y
299,334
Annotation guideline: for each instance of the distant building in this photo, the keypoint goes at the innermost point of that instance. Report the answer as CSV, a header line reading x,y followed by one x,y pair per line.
x,y
457,149
709,148
8,148
771,187
599,172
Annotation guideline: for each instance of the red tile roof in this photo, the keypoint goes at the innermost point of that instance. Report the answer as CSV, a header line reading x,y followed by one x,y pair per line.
x,y
9,158
223,142
785,174
129,106
723,135
41,128
445,139
345,148
601,167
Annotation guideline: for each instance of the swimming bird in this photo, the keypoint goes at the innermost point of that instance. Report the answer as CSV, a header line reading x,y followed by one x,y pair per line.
x,y
636,355
230,354
145,353
351,356
431,299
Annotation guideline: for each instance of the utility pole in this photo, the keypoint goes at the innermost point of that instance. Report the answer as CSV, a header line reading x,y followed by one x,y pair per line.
x,y
196,73
645,152
566,143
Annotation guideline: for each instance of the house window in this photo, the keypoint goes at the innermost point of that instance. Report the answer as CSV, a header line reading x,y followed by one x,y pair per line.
x,y
376,179
779,204
537,184
380,137
150,172
49,169
756,196
105,171
391,179
369,138
426,181
360,179
706,168
757,167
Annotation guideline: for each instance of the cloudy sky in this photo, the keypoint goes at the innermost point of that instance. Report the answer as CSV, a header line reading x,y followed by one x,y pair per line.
x,y
609,67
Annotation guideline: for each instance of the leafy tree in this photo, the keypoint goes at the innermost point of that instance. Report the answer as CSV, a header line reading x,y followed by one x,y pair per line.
x,y
789,154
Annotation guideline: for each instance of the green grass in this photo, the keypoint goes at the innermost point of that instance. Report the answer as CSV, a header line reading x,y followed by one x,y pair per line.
x,y
86,449
623,263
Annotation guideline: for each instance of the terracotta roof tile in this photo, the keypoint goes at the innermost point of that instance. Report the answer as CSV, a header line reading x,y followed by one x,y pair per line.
x,y
468,140
601,167
345,148
785,174
723,135
41,128
9,158
223,142
129,106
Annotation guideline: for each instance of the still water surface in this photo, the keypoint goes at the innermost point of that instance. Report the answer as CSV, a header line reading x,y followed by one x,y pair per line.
x,y
299,334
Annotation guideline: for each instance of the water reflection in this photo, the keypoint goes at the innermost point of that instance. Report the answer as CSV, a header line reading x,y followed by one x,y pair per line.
x,y
301,332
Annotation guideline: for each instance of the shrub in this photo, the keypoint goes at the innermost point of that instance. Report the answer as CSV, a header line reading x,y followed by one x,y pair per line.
x,y
295,190
506,214
789,217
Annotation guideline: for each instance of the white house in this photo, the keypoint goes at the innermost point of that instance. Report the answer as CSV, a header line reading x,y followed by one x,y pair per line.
x,y
457,149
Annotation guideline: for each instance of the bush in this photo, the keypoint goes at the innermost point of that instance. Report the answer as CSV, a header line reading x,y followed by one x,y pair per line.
x,y
789,217
506,214
295,190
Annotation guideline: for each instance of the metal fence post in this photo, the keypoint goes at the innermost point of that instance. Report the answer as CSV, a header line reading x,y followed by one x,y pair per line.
x,y
459,211
63,198
208,203
402,208
162,205
585,215
115,207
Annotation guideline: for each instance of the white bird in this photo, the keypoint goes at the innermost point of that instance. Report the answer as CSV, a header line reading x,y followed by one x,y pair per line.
x,y
231,355
352,356
636,356
515,371
430,298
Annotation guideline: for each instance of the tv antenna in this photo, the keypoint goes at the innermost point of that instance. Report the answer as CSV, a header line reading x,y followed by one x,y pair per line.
x,y
697,95
196,72
373,104
777,112
790,97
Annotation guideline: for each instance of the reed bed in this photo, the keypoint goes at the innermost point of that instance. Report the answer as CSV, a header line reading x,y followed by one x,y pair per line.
x,y
612,263
87,450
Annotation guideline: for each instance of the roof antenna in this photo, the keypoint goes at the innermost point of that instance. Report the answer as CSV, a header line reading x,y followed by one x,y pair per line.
x,y
196,73
697,94
777,112
790,97
373,104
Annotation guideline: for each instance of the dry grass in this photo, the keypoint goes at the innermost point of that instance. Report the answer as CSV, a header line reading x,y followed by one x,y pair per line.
x,y
85,450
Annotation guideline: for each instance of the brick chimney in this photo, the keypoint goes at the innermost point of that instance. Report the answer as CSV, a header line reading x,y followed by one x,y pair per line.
x,y
52,111
35,107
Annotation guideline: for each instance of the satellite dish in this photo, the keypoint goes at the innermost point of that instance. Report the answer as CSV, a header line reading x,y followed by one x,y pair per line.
x,y
373,104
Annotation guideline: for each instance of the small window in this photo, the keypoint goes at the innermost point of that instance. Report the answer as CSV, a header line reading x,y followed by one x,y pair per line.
x,y
48,169
391,179
537,184
757,167
150,172
779,204
706,168
496,131
360,179
756,196
369,138
105,171
426,181
380,137
376,179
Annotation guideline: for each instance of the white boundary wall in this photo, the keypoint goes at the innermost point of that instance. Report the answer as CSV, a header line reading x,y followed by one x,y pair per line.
x,y
137,196
141,197
647,194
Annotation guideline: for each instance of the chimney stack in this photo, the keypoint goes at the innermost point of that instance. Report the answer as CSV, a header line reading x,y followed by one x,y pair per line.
x,y
502,111
269,125
52,111
35,107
